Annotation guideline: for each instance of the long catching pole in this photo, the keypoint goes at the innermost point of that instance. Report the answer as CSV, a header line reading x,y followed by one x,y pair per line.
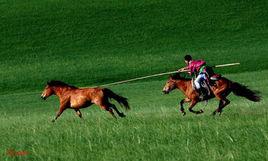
x,y
139,78
157,75
226,65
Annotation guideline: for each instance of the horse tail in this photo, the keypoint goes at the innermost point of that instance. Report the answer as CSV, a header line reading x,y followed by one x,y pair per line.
x,y
241,90
121,100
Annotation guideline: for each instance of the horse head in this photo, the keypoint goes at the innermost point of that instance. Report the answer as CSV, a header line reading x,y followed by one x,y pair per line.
x,y
170,85
48,91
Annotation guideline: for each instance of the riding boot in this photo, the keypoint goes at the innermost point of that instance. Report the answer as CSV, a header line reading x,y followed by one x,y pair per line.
x,y
204,93
201,95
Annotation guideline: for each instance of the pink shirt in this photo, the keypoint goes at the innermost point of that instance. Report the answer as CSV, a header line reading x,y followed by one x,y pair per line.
x,y
195,65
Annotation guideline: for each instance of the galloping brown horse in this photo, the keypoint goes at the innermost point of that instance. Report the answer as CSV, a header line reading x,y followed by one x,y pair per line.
x,y
221,89
76,98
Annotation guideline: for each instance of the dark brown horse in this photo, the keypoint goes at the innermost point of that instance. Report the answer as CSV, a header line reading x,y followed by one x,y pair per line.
x,y
76,98
221,89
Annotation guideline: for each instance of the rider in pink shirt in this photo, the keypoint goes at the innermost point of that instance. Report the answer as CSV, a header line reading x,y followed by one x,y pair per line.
x,y
197,67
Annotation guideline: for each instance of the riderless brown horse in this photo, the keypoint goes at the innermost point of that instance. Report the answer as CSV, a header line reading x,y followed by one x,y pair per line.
x,y
220,89
76,98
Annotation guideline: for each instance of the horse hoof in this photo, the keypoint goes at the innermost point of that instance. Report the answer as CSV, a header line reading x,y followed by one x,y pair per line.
x,y
199,112
183,112
122,115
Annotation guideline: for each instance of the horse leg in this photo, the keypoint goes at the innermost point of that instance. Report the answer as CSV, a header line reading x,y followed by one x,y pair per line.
x,y
105,105
62,108
78,112
107,108
193,103
111,112
181,105
221,95
219,107
225,103
121,114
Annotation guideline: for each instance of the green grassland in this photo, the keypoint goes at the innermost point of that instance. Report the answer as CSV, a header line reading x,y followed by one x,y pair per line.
x,y
153,129
92,42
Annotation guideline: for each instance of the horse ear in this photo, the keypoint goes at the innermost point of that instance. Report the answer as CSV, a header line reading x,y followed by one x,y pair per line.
x,y
48,82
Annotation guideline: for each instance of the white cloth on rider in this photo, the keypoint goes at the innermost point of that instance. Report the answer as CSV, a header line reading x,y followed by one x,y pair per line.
x,y
201,77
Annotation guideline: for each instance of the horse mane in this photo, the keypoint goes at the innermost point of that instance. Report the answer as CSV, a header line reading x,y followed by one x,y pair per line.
x,y
59,84
179,76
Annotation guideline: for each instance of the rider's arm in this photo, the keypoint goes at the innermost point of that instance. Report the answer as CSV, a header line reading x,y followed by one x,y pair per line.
x,y
184,69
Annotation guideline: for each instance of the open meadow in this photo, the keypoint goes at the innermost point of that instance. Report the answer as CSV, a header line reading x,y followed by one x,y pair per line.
x,y
92,42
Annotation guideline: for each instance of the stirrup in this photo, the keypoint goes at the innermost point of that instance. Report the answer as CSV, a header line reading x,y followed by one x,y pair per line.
x,y
206,102
201,97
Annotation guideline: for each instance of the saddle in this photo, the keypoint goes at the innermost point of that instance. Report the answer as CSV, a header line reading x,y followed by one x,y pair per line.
x,y
211,74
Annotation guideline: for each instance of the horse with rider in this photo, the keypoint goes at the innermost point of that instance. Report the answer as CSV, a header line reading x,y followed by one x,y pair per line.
x,y
202,74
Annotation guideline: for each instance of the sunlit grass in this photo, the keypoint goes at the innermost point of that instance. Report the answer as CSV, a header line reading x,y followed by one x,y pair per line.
x,y
153,129
93,42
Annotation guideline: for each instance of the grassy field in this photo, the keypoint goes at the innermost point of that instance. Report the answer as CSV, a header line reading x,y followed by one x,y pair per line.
x,y
92,42
153,130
